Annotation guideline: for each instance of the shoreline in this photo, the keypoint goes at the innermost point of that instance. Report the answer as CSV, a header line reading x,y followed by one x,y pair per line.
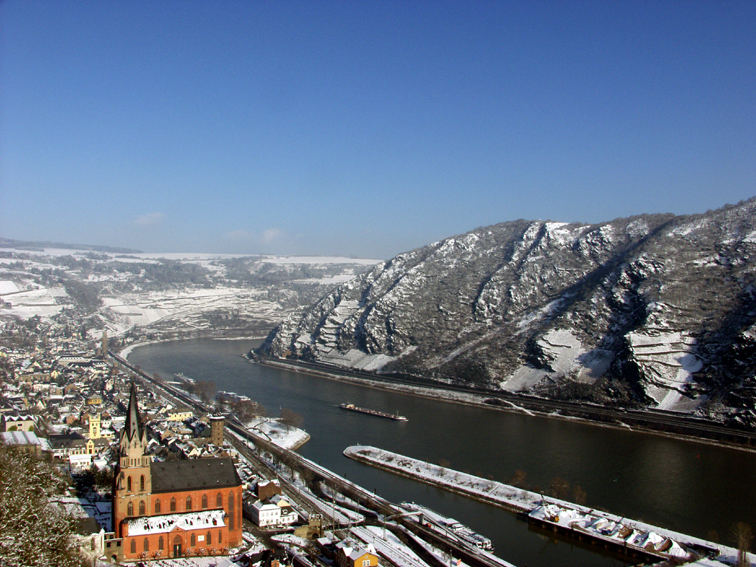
x,y
300,439
477,400
469,399
127,350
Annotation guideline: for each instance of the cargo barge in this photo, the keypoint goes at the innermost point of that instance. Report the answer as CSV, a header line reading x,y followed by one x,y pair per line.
x,y
368,411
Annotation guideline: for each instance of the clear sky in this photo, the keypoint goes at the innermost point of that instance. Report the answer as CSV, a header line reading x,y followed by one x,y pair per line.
x,y
365,128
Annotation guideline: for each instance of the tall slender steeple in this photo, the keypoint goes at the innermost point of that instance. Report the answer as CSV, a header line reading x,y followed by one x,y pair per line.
x,y
133,479
133,440
133,428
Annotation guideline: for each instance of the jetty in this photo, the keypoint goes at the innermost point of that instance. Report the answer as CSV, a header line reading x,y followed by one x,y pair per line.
x,y
576,522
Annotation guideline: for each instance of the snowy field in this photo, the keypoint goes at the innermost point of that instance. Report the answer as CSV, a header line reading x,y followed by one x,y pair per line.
x,y
283,435
189,291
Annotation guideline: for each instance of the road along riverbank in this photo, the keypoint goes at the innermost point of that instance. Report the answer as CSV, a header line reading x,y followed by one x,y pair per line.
x,y
581,523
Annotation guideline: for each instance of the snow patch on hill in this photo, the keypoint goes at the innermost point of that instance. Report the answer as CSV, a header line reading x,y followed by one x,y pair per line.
x,y
566,356
354,358
669,363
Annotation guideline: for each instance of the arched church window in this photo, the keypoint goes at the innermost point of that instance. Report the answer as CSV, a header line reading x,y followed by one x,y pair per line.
x,y
231,514
173,504
130,509
141,483
133,546
204,501
128,483
141,508
146,545
161,546
157,506
188,502
219,501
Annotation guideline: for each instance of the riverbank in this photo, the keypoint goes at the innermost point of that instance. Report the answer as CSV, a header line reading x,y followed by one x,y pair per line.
x,y
665,482
662,424
570,518
126,351
284,435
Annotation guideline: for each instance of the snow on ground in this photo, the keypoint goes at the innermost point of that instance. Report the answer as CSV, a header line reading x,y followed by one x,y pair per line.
x,y
40,301
668,359
544,313
524,378
283,435
568,357
354,358
511,497
330,329
489,490
124,311
603,528
440,555
388,545
558,234
637,227
139,309
328,280
7,286
319,260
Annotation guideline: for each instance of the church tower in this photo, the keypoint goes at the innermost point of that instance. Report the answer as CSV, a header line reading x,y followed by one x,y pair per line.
x,y
133,482
94,426
216,430
104,345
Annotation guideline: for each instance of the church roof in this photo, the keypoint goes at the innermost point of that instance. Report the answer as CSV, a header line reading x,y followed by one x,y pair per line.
x,y
169,522
193,474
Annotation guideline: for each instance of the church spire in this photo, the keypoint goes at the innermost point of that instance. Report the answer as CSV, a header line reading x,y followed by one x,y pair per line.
x,y
133,440
133,428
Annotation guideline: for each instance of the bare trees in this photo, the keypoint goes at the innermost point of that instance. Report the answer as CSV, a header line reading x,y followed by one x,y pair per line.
x,y
32,532
290,417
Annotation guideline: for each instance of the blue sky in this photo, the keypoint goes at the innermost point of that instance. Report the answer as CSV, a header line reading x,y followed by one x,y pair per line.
x,y
365,128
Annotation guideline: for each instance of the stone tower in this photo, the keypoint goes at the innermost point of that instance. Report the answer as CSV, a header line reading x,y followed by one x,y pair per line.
x,y
133,482
217,423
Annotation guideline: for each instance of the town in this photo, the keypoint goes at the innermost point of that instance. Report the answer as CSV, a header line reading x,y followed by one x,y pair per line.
x,y
172,472
169,472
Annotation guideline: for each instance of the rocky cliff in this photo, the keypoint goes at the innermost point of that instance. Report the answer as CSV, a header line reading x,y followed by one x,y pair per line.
x,y
653,310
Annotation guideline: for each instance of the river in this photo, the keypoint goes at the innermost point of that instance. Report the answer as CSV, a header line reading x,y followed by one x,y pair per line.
x,y
690,487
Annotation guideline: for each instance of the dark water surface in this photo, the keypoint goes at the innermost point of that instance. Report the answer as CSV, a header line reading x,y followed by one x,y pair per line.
x,y
693,488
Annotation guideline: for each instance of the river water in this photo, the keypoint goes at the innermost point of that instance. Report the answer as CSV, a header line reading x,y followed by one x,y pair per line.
x,y
690,487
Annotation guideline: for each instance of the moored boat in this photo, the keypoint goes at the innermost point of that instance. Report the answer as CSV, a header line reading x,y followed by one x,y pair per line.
x,y
368,411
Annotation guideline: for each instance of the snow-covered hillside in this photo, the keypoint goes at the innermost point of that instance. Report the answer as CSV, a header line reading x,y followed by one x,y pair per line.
x,y
654,310
164,294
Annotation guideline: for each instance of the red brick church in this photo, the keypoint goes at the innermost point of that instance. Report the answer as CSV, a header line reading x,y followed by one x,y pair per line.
x,y
172,508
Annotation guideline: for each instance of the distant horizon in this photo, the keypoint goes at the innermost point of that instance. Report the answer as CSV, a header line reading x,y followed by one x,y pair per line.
x,y
52,244
369,128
